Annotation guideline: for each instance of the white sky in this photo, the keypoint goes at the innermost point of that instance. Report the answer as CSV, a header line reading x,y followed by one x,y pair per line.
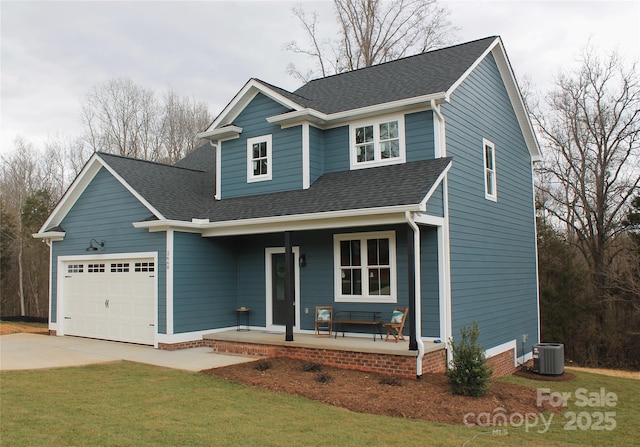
x,y
53,52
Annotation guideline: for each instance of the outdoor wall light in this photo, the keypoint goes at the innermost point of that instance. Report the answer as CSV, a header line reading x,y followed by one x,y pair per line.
x,y
91,247
302,260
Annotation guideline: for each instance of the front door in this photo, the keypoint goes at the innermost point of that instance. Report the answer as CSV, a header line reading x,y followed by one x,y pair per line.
x,y
275,275
278,305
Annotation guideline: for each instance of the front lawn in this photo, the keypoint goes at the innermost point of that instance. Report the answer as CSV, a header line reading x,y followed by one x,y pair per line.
x,y
129,404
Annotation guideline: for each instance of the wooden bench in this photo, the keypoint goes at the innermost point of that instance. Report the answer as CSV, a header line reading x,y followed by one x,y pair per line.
x,y
344,318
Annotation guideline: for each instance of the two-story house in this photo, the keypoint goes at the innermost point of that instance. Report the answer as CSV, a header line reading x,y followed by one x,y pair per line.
x,y
408,183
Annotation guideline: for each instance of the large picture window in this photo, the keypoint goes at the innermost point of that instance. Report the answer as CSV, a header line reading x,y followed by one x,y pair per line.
x,y
379,142
259,159
365,267
490,186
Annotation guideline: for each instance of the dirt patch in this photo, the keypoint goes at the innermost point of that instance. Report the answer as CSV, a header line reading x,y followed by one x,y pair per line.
x,y
13,328
362,392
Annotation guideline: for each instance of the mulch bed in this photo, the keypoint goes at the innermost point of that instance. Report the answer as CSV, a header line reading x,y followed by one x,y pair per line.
x,y
429,399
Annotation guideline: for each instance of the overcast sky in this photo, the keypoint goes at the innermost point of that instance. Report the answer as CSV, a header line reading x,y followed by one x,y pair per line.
x,y
53,52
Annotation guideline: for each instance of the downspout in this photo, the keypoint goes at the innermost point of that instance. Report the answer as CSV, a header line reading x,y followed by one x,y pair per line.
x,y
418,295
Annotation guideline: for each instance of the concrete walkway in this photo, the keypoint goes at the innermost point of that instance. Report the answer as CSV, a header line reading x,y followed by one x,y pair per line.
x,y
36,351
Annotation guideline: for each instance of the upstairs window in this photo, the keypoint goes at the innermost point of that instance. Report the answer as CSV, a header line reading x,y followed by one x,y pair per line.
x,y
490,185
379,142
365,267
259,160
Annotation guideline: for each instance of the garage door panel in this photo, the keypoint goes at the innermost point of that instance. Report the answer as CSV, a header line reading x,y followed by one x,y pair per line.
x,y
110,300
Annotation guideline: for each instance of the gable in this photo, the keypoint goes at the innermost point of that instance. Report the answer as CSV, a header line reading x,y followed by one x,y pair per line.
x,y
77,188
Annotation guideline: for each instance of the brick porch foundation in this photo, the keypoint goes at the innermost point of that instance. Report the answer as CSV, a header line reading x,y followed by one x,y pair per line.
x,y
397,365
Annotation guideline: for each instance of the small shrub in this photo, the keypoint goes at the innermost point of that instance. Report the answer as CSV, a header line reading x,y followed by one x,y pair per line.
x,y
263,365
323,377
468,371
391,380
312,367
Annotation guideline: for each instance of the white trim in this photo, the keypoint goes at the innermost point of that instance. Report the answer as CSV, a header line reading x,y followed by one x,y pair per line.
x,y
268,252
439,131
309,221
393,268
441,177
306,154
444,272
244,97
221,134
504,347
169,281
428,219
183,337
218,192
59,326
378,160
487,195
251,177
535,241
327,121
50,235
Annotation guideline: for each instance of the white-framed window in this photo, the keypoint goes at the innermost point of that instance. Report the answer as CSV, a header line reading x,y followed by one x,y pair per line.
x,y
120,267
490,180
75,268
365,267
377,142
259,159
95,268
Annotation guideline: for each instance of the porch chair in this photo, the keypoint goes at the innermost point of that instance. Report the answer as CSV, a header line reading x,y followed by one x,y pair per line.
x,y
394,328
324,317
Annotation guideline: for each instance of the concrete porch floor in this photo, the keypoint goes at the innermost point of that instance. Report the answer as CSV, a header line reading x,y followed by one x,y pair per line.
x,y
305,340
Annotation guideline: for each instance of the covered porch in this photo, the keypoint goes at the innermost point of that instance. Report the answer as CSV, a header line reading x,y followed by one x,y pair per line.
x,y
351,352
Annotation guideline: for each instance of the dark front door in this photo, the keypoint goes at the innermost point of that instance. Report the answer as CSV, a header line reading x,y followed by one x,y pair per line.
x,y
277,293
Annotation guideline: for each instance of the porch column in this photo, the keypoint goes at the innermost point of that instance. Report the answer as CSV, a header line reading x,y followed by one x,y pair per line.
x,y
289,285
411,267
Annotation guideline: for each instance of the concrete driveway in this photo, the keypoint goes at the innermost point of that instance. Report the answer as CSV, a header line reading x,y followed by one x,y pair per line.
x,y
36,351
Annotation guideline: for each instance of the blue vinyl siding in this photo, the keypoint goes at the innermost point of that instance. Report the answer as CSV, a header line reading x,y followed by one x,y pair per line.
x,y
419,136
286,147
105,211
493,259
204,283
429,279
316,153
336,149
435,205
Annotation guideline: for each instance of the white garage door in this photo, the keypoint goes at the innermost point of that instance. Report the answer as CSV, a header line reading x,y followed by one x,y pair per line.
x,y
110,299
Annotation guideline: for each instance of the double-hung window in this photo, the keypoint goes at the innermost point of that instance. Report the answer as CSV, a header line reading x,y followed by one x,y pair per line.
x,y
259,159
365,267
379,142
490,184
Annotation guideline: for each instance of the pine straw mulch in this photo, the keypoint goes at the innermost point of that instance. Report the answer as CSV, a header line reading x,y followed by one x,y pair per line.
x,y
14,328
363,392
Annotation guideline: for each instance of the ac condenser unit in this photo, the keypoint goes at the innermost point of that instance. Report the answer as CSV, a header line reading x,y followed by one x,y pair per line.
x,y
548,358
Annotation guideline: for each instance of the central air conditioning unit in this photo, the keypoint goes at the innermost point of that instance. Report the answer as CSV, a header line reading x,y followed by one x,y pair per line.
x,y
548,358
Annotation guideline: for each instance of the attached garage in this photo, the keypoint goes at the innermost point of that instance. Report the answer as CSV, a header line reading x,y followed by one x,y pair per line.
x,y
109,298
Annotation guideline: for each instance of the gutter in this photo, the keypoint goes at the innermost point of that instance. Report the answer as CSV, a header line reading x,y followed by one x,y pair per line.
x,y
417,296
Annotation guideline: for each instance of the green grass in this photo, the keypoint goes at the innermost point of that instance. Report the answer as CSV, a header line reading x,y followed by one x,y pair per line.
x,y
129,404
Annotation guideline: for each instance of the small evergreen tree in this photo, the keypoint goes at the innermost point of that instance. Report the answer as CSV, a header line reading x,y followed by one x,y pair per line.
x,y
468,372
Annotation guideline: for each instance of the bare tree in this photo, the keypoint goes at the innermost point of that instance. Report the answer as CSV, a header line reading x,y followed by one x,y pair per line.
x,y
123,118
371,32
181,116
120,117
591,127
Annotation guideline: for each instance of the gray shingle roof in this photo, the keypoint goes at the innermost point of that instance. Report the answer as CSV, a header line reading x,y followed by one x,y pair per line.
x,y
423,74
183,194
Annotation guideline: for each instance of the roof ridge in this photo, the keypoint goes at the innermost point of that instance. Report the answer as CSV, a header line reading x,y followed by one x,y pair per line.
x,y
167,165
400,59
